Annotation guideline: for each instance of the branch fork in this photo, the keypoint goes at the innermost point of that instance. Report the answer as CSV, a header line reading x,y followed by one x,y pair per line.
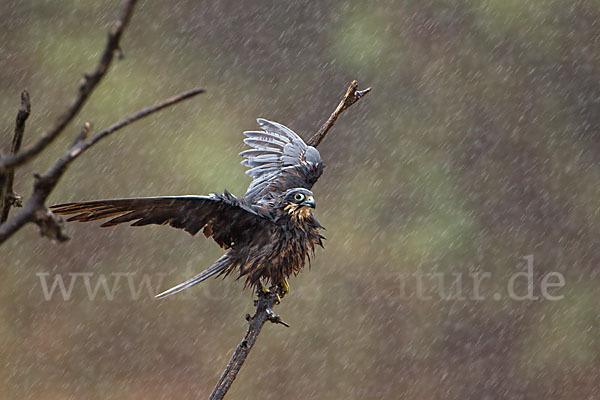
x,y
34,210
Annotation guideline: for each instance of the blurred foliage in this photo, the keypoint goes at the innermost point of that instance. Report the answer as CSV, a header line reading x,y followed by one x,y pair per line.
x,y
479,145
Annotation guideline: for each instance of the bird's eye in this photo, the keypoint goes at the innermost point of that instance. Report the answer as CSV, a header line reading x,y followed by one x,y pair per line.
x,y
299,197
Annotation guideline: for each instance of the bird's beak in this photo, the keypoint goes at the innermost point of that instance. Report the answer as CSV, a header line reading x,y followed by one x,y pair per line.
x,y
309,202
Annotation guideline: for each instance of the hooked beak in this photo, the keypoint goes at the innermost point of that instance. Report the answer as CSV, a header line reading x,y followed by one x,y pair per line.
x,y
309,202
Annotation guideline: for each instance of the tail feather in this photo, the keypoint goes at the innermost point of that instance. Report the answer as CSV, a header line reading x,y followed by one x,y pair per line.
x,y
219,266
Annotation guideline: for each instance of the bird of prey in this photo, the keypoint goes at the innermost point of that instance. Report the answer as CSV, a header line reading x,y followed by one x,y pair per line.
x,y
268,233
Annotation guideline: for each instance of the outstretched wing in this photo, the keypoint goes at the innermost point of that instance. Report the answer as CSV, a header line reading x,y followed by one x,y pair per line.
x,y
224,217
279,160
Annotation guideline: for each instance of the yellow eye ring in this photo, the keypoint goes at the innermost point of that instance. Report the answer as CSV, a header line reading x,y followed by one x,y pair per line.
x,y
298,197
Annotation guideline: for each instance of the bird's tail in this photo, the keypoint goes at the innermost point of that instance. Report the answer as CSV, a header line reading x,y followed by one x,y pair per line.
x,y
219,266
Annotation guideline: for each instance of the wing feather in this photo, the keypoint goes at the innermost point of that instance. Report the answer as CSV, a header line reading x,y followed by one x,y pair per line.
x,y
279,160
223,216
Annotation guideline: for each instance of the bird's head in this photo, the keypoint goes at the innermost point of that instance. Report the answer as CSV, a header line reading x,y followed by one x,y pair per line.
x,y
298,202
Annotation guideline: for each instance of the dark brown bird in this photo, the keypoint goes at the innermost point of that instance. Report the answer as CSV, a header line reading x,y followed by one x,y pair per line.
x,y
268,233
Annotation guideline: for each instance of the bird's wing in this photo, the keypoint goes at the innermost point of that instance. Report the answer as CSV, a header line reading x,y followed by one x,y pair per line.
x,y
223,216
279,160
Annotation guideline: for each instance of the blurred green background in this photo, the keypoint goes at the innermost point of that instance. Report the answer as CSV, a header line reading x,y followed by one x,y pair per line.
x,y
479,145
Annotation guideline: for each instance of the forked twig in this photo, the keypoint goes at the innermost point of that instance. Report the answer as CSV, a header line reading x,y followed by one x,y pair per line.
x,y
35,210
86,87
352,96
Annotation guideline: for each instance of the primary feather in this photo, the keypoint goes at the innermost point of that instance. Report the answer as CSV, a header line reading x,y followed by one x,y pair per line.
x,y
279,161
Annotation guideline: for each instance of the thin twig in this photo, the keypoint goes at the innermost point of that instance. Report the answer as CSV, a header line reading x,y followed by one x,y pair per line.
x,y
139,115
8,197
36,211
86,87
85,129
352,96
266,302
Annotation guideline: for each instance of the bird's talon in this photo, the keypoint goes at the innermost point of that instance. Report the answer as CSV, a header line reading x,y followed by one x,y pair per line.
x,y
263,290
284,287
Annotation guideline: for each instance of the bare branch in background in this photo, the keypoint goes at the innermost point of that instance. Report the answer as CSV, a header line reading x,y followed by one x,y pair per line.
x,y
266,302
35,209
8,197
86,87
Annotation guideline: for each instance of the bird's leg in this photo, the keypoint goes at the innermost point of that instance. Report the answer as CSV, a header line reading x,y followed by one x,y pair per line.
x,y
284,287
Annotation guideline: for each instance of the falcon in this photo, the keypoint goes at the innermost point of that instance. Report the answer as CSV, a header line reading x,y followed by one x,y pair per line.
x,y
268,234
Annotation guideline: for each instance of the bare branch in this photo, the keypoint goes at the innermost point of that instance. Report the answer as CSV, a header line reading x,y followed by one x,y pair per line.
x,y
86,87
265,302
8,197
35,210
139,115
352,96
264,312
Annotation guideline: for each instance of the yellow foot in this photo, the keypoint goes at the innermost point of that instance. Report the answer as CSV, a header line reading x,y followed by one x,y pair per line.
x,y
284,287
264,290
